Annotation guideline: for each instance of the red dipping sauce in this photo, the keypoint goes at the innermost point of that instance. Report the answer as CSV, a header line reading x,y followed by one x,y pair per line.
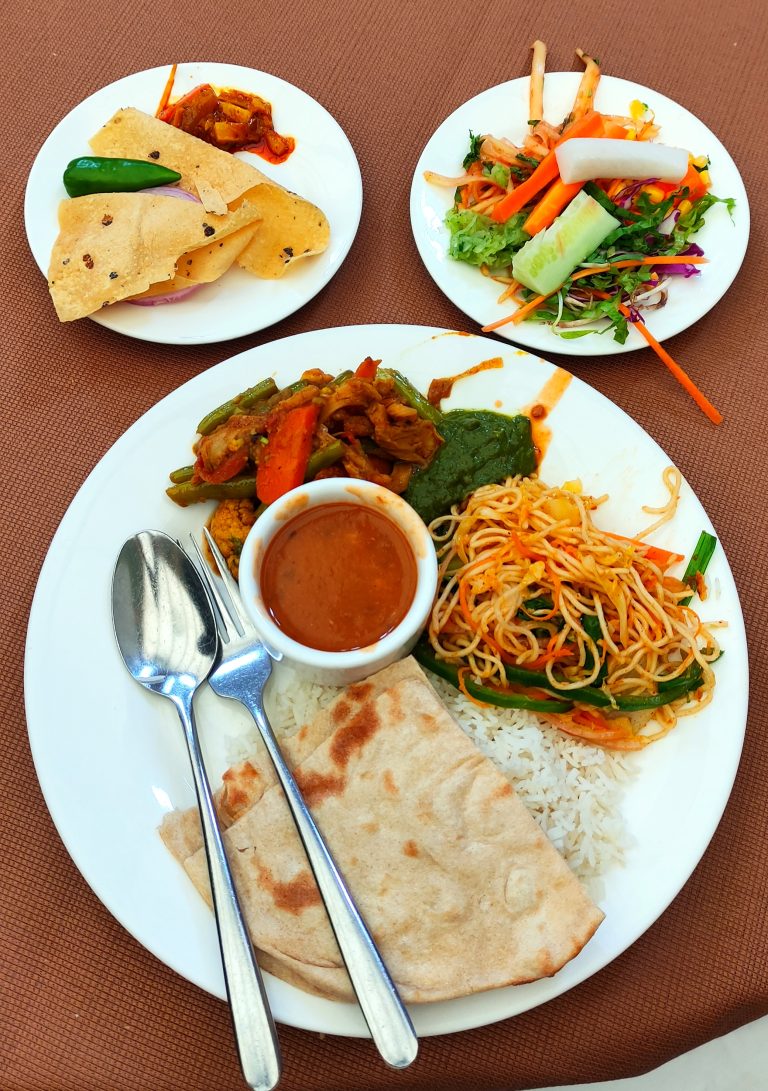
x,y
338,577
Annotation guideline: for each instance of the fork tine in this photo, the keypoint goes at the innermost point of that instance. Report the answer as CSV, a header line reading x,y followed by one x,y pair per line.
x,y
225,622
238,614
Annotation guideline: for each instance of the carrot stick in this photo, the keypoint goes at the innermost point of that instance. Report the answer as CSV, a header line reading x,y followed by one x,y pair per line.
x,y
682,377
550,206
165,97
685,380
283,464
589,125
532,304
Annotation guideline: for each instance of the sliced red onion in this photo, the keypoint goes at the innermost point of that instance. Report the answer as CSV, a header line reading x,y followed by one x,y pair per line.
x,y
171,297
171,191
181,293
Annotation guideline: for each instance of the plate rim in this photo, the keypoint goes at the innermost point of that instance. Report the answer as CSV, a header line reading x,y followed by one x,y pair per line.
x,y
67,524
328,270
534,337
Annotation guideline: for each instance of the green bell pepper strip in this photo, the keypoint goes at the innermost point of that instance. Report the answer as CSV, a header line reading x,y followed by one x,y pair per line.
x,y
96,174
184,473
669,691
490,696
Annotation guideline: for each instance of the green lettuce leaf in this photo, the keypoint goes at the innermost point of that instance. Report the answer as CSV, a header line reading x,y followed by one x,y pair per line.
x,y
479,240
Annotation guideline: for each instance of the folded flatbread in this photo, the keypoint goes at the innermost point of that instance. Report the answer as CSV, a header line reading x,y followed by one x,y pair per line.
x,y
112,246
459,886
291,228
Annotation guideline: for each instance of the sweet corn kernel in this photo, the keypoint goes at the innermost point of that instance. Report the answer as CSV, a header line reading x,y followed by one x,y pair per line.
x,y
700,161
705,179
684,206
654,193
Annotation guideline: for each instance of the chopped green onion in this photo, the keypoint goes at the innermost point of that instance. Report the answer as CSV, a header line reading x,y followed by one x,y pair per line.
x,y
700,558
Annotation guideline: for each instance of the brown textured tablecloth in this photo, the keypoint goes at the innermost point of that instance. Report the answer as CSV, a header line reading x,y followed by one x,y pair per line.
x,y
82,1005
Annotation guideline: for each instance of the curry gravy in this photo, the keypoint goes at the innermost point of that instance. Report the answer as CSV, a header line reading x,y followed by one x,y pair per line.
x,y
338,577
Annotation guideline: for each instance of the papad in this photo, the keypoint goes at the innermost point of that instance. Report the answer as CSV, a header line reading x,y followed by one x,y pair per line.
x,y
291,227
112,246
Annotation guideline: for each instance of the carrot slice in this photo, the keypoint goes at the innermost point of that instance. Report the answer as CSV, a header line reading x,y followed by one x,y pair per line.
x,y
283,464
550,206
589,125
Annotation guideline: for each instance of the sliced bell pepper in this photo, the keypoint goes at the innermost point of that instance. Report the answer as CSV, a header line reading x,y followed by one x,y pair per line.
x,y
367,370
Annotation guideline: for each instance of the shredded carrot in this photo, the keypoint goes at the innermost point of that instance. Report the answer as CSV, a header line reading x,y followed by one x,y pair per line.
x,y
532,304
662,557
165,97
463,672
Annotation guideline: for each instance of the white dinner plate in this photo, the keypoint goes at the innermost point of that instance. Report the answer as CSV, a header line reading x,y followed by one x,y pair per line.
x,y
503,111
323,168
110,756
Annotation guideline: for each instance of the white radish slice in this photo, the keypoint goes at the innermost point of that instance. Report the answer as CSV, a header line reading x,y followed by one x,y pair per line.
x,y
583,158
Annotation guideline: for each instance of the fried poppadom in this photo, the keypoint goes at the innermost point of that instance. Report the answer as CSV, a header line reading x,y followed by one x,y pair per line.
x,y
112,246
291,227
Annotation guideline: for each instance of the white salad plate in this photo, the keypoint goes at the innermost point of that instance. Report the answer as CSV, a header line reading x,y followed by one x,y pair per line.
x,y
323,168
503,111
110,756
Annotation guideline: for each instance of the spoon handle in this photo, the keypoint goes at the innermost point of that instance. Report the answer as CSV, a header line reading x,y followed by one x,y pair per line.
x,y
384,1012
255,1033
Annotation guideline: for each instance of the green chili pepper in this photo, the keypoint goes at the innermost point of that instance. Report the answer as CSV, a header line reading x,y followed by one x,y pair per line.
x,y
245,400
95,174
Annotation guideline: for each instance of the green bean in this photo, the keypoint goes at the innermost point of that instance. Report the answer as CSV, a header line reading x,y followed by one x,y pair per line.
x,y
194,492
186,491
246,400
411,396
323,458
184,473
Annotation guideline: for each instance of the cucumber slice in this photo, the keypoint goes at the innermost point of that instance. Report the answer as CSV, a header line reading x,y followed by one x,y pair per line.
x,y
549,258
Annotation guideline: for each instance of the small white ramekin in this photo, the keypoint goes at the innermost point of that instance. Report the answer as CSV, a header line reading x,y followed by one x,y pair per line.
x,y
340,668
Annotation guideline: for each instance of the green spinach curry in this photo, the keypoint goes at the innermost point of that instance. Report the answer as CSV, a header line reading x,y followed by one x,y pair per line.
x,y
479,448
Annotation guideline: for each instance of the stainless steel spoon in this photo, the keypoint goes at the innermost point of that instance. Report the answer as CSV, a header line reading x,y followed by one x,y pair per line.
x,y
166,632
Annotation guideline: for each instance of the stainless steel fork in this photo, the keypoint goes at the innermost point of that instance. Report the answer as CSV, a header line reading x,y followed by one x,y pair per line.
x,y
242,673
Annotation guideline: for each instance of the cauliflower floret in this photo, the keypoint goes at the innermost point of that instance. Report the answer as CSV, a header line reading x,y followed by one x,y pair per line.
x,y
229,526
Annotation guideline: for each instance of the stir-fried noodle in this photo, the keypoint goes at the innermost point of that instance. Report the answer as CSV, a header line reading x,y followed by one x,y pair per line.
x,y
528,581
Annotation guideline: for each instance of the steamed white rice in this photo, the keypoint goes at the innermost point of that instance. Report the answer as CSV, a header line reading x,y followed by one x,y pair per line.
x,y
574,791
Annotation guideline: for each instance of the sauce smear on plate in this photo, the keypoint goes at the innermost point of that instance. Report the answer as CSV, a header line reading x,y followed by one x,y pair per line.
x,y
338,577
